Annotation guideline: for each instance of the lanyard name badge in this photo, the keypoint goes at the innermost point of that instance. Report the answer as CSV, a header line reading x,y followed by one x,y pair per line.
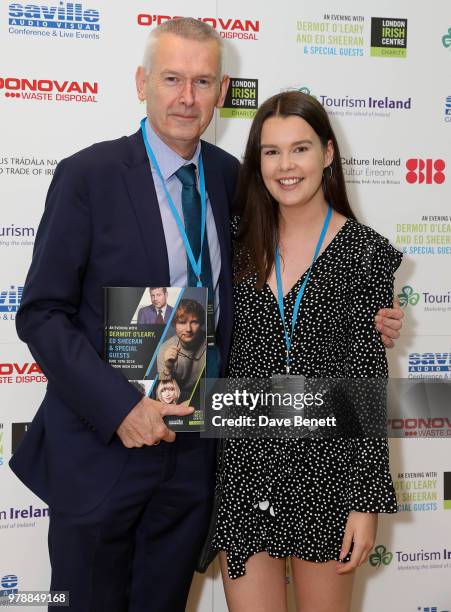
x,y
195,265
279,382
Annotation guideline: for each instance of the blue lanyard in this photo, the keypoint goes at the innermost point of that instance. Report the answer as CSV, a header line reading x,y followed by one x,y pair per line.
x,y
196,265
289,337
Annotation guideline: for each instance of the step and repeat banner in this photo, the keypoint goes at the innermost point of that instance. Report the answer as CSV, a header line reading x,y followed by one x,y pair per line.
x,y
383,74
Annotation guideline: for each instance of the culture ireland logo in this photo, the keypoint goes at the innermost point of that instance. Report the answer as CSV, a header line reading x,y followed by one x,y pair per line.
x,y
381,556
408,296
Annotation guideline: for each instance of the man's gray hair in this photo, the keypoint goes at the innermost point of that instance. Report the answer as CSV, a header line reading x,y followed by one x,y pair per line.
x,y
185,27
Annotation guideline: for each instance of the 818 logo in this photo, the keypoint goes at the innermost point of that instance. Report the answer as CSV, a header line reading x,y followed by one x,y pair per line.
x,y
425,171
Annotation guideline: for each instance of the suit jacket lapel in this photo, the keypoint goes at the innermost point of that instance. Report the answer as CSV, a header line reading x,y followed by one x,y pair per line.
x,y
217,195
141,189
216,190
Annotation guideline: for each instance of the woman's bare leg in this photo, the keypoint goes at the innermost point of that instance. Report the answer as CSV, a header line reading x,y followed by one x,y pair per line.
x,y
318,587
261,589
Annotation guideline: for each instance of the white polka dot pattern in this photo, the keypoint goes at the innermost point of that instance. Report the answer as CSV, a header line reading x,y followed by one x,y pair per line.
x,y
292,497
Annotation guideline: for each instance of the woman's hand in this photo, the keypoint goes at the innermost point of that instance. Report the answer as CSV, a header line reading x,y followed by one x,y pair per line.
x,y
388,322
361,529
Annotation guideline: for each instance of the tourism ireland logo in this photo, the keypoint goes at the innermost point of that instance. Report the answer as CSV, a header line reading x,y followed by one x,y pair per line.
x,y
381,556
408,296
446,39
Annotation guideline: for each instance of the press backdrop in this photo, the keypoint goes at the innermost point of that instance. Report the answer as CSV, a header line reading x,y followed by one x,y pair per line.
x,y
383,74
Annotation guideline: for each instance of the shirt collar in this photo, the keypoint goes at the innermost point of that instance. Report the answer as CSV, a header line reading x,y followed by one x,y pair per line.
x,y
168,160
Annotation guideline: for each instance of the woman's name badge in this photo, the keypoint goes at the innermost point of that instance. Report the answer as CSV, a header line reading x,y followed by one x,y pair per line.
x,y
285,383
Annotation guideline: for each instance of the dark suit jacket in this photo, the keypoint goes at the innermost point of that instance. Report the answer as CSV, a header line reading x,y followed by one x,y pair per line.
x,y
148,315
100,208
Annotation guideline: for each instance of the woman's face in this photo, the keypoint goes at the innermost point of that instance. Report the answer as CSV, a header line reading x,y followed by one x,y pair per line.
x,y
168,394
292,160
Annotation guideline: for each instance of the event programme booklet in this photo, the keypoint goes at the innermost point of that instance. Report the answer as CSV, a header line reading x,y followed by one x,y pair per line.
x,y
156,336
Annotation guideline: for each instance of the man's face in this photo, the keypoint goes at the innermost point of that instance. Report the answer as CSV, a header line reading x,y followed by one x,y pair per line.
x,y
187,329
158,297
182,90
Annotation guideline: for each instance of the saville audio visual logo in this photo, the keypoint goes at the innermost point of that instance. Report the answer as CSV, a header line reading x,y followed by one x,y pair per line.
x,y
380,557
408,296
9,585
430,363
241,101
49,90
448,109
388,37
426,171
9,302
62,20
239,29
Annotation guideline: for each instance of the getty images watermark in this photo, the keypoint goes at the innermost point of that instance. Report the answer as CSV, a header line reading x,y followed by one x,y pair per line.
x,y
295,407
244,399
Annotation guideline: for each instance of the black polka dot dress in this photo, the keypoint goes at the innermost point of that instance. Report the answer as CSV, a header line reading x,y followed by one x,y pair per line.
x,y
292,497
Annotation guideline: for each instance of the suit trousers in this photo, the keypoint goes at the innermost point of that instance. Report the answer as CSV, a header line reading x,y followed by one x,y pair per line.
x,y
137,551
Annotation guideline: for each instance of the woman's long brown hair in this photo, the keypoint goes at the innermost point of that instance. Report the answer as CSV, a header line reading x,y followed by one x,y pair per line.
x,y
259,225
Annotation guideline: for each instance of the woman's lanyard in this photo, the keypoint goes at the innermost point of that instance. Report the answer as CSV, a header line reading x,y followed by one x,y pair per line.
x,y
289,337
195,265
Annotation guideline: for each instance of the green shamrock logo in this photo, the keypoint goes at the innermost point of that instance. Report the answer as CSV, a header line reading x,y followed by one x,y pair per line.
x,y
408,296
380,556
446,40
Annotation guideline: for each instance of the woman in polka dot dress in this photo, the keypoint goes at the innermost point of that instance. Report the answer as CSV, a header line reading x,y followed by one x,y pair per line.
x,y
316,501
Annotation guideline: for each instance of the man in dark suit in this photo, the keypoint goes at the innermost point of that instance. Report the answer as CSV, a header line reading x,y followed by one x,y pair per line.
x,y
159,312
128,515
